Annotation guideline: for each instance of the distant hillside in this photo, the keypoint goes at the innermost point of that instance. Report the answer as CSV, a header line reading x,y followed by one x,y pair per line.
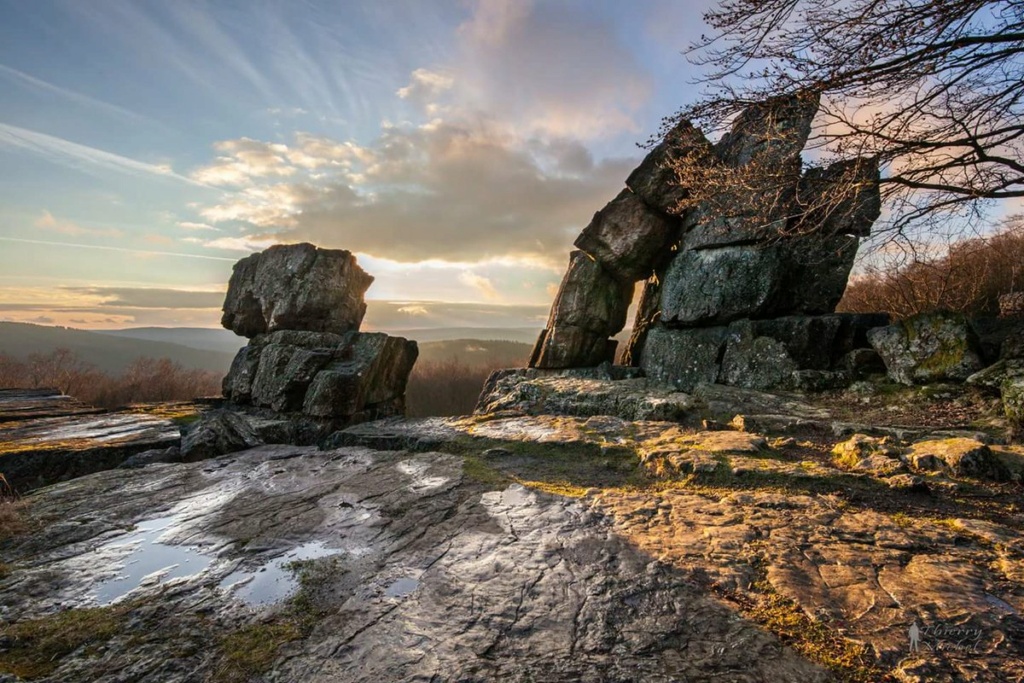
x,y
108,353
216,339
525,335
476,352
204,338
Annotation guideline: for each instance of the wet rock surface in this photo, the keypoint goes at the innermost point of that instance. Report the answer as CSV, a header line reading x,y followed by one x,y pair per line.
x,y
27,404
517,547
35,451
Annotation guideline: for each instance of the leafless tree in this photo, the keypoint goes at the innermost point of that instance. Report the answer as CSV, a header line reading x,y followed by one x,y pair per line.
x,y
931,88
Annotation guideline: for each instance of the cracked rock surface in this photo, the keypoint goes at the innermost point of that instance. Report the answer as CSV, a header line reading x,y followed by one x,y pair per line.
x,y
523,548
422,575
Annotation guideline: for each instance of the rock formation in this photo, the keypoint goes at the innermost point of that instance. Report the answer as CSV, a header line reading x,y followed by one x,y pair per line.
x,y
301,307
926,348
296,287
742,281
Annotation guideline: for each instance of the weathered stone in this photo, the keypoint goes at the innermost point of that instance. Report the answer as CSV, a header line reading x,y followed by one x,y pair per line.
x,y
38,451
959,456
369,374
1012,390
757,197
215,433
152,457
842,199
853,331
655,180
995,375
999,338
860,363
818,380
627,237
683,358
567,346
716,286
870,453
754,206
908,483
809,340
589,298
564,394
774,130
755,362
816,270
295,287
723,402
285,372
927,348
237,384
353,376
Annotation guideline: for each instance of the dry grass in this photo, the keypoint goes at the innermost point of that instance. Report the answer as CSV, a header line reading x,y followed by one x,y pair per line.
x,y
146,380
12,511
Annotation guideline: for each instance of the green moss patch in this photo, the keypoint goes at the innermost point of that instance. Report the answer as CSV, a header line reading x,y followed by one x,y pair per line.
x,y
38,645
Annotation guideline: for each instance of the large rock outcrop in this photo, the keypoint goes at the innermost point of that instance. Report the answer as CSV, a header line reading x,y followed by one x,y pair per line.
x,y
726,233
306,361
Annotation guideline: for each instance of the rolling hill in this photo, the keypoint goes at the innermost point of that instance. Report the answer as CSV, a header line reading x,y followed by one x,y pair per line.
x,y
109,353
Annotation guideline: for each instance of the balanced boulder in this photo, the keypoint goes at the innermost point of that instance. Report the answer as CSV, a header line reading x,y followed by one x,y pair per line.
x,y
296,287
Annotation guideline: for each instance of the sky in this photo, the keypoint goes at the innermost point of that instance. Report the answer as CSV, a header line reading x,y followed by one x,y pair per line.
x,y
456,146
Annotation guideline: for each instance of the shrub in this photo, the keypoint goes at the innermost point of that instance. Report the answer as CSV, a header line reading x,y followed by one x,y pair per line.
x,y
968,279
145,380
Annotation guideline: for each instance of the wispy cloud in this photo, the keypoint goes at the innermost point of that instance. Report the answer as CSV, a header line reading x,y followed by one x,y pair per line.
x,y
123,250
190,225
51,224
82,157
27,80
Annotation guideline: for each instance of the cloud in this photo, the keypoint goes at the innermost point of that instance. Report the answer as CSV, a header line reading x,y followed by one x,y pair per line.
x,y
189,225
243,160
238,244
424,88
122,250
142,297
81,157
549,67
48,223
481,284
453,191
392,315
413,310
493,162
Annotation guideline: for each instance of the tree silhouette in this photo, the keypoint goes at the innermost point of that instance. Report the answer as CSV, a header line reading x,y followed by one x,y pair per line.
x,y
930,88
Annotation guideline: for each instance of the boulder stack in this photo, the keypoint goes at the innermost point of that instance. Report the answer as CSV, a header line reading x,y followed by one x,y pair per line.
x,y
301,308
740,283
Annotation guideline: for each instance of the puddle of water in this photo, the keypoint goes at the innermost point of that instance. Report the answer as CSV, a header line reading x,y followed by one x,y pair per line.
x,y
148,561
401,587
417,470
273,581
